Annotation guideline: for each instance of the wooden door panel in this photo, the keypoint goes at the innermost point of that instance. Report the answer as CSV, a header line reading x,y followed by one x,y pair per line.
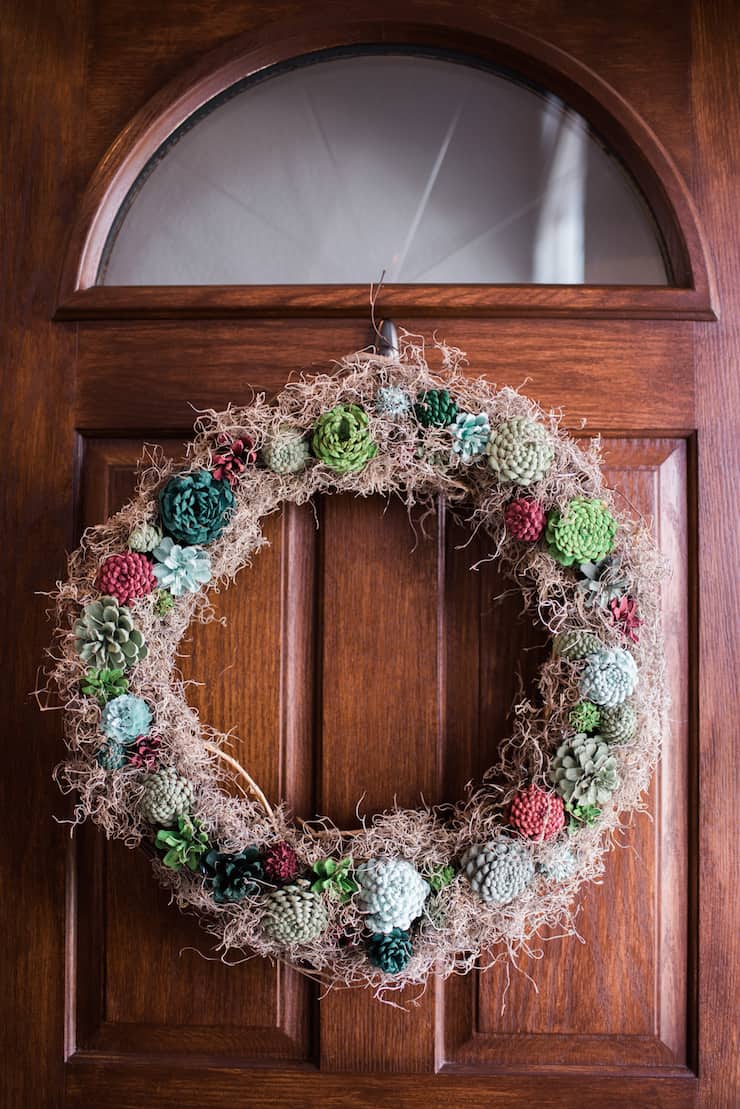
x,y
441,646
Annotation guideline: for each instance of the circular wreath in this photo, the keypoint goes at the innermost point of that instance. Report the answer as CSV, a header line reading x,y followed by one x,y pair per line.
x,y
412,891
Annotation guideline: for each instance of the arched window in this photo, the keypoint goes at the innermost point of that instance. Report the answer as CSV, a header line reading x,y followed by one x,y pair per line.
x,y
338,166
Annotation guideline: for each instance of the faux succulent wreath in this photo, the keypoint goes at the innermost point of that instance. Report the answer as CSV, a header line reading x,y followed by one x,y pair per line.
x,y
412,891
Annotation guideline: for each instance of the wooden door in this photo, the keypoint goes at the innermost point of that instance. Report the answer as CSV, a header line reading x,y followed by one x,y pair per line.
x,y
371,661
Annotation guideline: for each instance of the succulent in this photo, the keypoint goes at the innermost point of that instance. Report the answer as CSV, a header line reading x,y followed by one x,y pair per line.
x,y
233,876
105,636
195,508
581,814
618,724
583,771
602,581
390,951
575,645
181,569
342,439
584,532
625,618
183,846
143,753
144,538
524,519
498,871
392,402
164,602
334,877
111,756
520,451
125,718
232,456
559,864
537,814
470,434
125,577
609,677
391,894
435,408
286,451
104,685
294,914
167,796
584,717
439,877
280,862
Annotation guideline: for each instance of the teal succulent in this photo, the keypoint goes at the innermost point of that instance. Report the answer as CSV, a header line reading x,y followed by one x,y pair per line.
x,y
184,845
181,569
104,685
195,508
232,876
470,434
111,756
334,877
125,718
390,951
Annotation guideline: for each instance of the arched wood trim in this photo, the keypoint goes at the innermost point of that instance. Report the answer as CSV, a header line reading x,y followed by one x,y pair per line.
x,y
690,297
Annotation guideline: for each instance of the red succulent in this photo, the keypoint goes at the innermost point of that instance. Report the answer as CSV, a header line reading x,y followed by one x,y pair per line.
x,y
280,862
537,814
524,519
232,457
624,616
144,752
125,577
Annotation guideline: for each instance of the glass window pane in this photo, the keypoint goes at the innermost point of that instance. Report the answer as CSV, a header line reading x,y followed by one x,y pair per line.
x,y
423,167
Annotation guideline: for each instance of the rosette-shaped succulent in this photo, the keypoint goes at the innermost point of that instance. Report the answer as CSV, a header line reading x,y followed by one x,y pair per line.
x,y
342,439
625,617
181,569
286,451
105,636
144,538
524,519
435,408
602,582
537,814
609,677
111,756
104,685
195,508
164,603
294,914
167,795
618,724
390,951
183,846
520,451
391,893
233,876
470,433
126,717
125,577
584,532
498,871
334,876
143,753
583,771
584,717
575,645
439,877
232,456
280,862
391,401
559,864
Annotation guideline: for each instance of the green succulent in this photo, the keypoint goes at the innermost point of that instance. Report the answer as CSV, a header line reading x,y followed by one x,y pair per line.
x,y
105,636
183,846
435,408
342,439
584,532
104,685
439,876
334,877
575,645
584,717
164,602
581,814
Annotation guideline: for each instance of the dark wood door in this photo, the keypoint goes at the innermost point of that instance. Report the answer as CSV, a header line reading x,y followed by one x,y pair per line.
x,y
114,1003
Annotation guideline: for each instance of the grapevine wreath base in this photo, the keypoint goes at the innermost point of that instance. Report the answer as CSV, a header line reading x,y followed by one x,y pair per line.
x,y
410,892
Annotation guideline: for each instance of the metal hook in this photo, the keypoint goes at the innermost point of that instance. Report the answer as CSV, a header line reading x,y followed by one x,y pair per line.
x,y
388,346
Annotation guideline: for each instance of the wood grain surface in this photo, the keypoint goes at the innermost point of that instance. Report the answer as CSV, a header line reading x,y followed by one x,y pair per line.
x,y
358,658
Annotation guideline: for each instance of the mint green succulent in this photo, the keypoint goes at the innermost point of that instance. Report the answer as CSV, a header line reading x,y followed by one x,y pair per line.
x,y
286,451
520,451
470,434
183,846
584,532
498,871
609,677
144,538
342,439
391,895
181,569
105,636
104,685
584,771
335,878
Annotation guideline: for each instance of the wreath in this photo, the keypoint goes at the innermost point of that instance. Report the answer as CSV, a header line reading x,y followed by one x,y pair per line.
x,y
410,892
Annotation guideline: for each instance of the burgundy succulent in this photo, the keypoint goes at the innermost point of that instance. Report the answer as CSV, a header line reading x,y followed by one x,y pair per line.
x,y
280,863
125,577
144,752
624,616
232,456
524,519
537,814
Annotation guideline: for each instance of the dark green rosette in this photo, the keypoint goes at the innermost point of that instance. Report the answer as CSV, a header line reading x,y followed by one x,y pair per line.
x,y
195,508
390,951
232,877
